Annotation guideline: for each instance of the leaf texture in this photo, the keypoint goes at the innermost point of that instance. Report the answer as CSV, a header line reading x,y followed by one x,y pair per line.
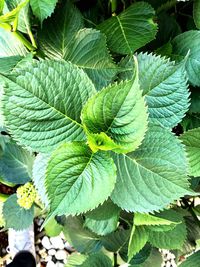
x,y
43,101
131,29
43,8
154,175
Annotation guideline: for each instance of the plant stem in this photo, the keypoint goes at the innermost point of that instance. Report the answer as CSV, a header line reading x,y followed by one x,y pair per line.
x,y
113,6
115,260
194,216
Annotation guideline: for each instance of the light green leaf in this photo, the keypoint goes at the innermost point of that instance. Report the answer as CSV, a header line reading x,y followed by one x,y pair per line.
x,y
16,164
158,168
138,238
104,219
8,63
38,176
164,86
43,8
120,112
15,216
23,23
52,228
131,29
97,260
191,140
82,239
2,2
75,259
62,37
147,219
75,174
187,43
10,45
173,239
191,261
42,103
196,13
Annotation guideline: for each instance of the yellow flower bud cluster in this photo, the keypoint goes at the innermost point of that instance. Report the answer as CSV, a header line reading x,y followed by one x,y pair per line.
x,y
2,221
26,195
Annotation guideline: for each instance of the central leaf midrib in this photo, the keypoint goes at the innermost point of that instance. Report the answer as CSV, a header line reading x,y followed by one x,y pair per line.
x,y
58,111
123,33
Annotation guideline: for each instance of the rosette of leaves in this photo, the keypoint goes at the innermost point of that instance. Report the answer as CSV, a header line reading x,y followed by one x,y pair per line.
x,y
98,111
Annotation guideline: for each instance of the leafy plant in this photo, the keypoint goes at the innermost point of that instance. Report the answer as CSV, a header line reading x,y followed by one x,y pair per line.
x,y
100,126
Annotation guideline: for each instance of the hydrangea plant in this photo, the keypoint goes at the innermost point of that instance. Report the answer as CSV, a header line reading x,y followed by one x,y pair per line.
x,y
100,126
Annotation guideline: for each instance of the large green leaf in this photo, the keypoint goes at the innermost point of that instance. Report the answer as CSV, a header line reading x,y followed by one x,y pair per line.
x,y
10,45
164,85
38,176
104,219
97,260
131,29
15,164
173,239
191,140
184,44
43,8
152,176
119,111
75,174
138,238
192,261
15,216
42,103
147,219
8,63
82,239
62,37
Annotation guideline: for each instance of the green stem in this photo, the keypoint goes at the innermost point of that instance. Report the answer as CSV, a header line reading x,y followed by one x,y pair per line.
x,y
18,35
32,38
115,260
113,6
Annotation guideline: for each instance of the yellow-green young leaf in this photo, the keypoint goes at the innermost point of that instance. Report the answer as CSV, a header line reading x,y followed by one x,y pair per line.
x,y
131,29
138,238
196,13
191,140
158,168
78,180
147,219
192,261
120,112
42,103
13,14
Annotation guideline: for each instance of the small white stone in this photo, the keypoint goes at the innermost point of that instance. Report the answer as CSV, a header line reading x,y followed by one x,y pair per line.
x,y
52,252
59,264
61,255
48,258
57,242
168,264
46,242
51,264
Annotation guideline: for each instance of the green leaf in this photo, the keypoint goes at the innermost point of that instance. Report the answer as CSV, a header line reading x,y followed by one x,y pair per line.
x,y
155,259
131,29
173,239
74,173
75,259
138,238
191,141
52,228
164,86
82,239
38,176
43,8
42,103
115,241
147,219
158,168
10,45
119,111
16,164
62,37
8,63
191,121
2,2
15,216
97,260
104,219
184,44
196,13
23,23
191,261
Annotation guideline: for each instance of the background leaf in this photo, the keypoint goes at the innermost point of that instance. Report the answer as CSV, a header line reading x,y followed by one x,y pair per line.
x,y
15,216
75,174
196,13
131,29
158,168
43,101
